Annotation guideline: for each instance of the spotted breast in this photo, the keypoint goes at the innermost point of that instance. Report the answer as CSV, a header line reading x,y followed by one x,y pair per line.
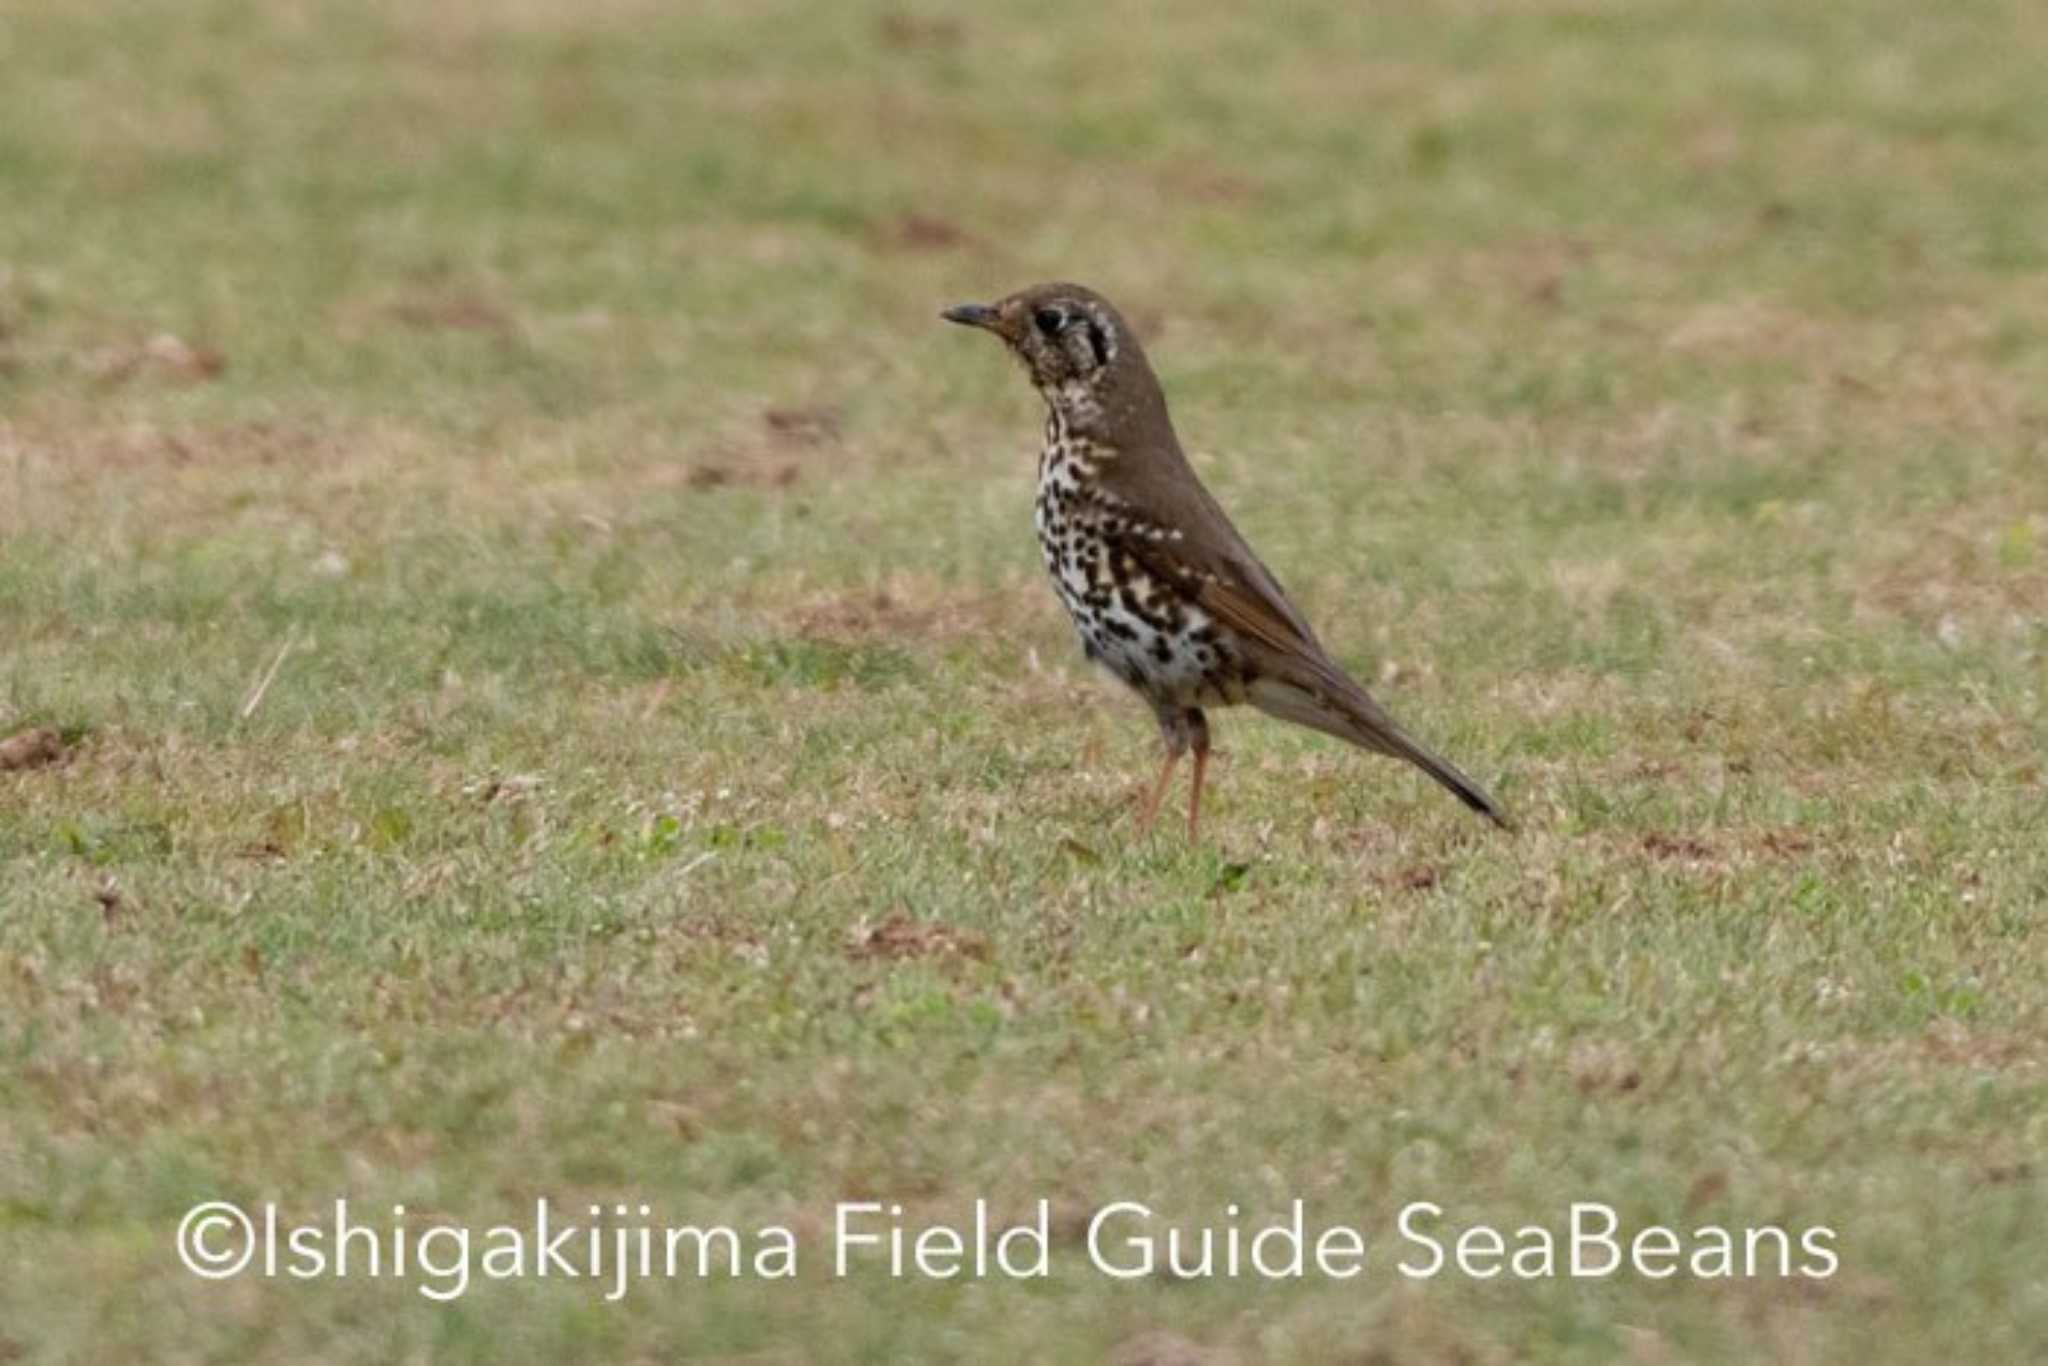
x,y
1154,638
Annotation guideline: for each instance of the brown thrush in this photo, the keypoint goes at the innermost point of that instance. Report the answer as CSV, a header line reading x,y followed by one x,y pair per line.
x,y
1162,589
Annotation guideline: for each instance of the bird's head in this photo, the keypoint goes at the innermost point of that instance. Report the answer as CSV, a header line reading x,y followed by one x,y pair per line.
x,y
1077,349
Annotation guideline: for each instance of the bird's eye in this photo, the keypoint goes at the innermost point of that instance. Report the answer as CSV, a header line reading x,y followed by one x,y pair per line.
x,y
1050,321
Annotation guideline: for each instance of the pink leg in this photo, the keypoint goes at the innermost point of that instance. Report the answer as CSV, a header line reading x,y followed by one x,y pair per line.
x,y
1195,796
1150,810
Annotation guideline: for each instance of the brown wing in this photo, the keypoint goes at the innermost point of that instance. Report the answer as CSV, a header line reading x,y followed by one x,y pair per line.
x,y
1213,565
1242,596
1227,581
1258,611
1180,533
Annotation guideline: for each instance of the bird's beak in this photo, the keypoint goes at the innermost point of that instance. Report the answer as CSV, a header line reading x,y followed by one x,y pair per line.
x,y
973,315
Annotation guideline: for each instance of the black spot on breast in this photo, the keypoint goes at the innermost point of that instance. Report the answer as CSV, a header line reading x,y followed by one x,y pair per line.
x,y
1140,609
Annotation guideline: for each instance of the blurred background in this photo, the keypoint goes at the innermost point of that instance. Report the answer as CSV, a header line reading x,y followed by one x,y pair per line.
x,y
560,698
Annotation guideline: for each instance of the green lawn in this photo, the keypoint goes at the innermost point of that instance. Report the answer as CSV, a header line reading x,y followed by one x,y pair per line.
x,y
561,699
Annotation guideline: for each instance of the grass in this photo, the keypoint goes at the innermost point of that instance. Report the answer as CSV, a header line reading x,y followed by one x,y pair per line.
x,y
677,785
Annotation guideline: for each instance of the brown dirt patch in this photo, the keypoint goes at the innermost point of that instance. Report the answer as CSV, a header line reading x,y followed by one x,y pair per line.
x,y
906,609
925,232
1660,845
36,748
455,312
898,936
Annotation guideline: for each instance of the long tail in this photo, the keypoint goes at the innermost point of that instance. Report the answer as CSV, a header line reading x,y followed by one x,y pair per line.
x,y
1329,702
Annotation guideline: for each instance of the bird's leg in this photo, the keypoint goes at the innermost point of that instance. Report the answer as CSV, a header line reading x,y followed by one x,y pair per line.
x,y
1198,735
1151,807
1174,732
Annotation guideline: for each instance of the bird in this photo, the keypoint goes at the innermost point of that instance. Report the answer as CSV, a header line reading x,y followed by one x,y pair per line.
x,y
1162,589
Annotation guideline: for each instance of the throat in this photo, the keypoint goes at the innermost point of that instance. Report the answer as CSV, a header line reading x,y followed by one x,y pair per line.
x,y
1073,403
1068,435
1071,460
